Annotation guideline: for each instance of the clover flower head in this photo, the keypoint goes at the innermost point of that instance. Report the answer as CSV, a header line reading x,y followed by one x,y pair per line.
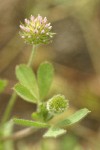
x,y
57,104
36,30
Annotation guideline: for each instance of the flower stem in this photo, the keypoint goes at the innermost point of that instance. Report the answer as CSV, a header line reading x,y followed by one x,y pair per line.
x,y
31,56
14,95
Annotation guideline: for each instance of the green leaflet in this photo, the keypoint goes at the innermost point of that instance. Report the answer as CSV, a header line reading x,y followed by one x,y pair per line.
x,y
27,78
30,123
77,116
54,132
45,76
24,93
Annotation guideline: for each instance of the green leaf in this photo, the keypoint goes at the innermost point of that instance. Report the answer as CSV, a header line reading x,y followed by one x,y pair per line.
x,y
24,93
3,84
45,76
30,123
74,118
54,132
27,78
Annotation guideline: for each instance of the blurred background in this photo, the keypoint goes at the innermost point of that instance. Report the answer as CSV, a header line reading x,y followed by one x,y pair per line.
x,y
75,54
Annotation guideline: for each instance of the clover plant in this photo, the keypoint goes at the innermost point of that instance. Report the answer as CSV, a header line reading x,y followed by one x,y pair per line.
x,y
34,88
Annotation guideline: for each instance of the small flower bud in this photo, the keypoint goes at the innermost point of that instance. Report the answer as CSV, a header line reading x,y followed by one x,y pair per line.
x,y
27,29
36,30
50,27
45,20
27,21
57,104
32,18
42,31
22,27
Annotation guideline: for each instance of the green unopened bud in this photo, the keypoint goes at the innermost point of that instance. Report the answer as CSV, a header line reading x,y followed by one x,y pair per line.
x,y
57,104
36,30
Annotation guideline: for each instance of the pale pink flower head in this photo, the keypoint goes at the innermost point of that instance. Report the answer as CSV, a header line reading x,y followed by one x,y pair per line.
x,y
36,30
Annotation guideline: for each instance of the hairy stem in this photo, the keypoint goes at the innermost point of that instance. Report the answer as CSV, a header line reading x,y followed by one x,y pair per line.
x,y
9,108
31,56
14,95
